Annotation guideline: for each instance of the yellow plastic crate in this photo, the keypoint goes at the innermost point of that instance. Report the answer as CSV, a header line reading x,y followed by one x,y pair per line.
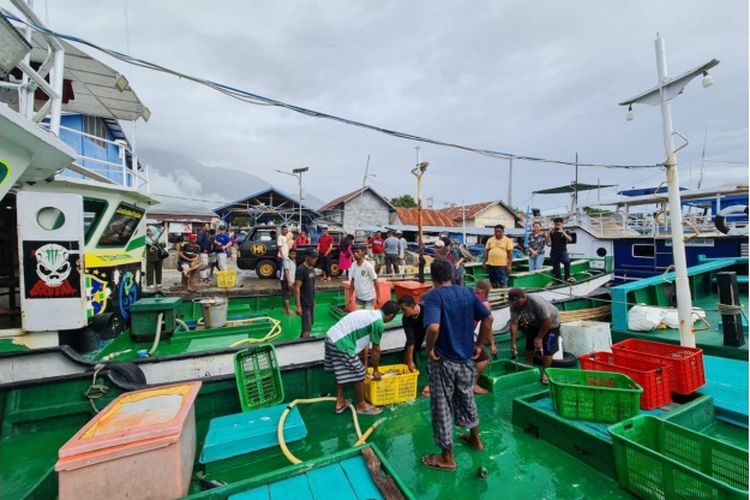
x,y
398,385
226,279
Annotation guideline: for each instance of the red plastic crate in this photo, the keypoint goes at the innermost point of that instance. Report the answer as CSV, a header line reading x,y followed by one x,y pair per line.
x,y
686,362
653,377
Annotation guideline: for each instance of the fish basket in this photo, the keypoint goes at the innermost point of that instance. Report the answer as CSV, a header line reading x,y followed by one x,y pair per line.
x,y
655,458
653,377
596,396
226,279
687,374
258,377
398,385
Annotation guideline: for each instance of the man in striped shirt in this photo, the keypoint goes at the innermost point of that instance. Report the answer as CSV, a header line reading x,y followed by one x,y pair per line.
x,y
349,337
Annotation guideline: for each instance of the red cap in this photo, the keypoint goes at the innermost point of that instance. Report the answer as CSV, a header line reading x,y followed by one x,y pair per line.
x,y
192,237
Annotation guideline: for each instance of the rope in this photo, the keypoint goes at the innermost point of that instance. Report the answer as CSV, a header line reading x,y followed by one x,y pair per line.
x,y
730,309
96,391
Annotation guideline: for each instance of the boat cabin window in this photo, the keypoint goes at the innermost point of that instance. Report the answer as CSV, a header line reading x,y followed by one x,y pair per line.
x,y
644,251
121,226
93,210
95,126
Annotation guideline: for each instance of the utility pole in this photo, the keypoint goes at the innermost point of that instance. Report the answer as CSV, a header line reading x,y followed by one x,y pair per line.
x,y
667,89
297,172
463,218
510,181
418,172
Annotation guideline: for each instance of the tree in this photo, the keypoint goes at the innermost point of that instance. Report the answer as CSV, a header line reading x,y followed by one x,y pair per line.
x,y
404,201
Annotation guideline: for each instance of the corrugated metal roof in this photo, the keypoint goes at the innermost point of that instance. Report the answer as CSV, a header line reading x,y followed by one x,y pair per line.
x,y
430,217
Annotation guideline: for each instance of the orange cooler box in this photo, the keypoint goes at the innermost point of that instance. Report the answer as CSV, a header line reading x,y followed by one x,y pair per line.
x,y
413,288
385,294
141,445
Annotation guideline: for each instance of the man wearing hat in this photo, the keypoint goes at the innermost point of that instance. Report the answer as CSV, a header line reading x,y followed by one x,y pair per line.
x,y
540,321
304,291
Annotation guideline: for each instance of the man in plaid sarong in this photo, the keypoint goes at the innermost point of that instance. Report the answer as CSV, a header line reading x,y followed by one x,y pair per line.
x,y
449,315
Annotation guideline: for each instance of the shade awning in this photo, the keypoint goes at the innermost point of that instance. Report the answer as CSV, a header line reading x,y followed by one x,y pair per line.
x,y
572,188
94,91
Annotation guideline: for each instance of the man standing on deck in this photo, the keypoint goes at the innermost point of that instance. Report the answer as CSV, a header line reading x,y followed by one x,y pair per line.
x,y
540,321
378,252
204,242
362,284
412,320
222,242
558,239
350,336
449,313
499,257
391,245
304,292
325,246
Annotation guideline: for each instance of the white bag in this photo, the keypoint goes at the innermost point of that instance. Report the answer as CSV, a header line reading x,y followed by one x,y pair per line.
x,y
644,318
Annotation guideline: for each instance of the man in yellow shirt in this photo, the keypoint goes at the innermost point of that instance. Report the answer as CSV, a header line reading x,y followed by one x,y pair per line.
x,y
499,257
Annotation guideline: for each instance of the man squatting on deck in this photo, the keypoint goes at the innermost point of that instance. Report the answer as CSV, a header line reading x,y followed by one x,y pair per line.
x,y
540,321
449,313
347,341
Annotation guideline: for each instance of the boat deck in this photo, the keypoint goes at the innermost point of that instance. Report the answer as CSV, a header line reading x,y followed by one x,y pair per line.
x,y
519,465
711,340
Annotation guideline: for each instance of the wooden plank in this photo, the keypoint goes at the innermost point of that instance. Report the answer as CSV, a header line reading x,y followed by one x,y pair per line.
x,y
259,493
359,477
294,488
330,482
385,483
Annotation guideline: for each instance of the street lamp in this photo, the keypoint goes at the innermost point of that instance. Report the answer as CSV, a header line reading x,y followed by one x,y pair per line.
x,y
418,172
663,94
297,172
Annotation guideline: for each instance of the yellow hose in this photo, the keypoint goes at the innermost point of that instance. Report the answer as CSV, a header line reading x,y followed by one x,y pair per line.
x,y
274,332
280,427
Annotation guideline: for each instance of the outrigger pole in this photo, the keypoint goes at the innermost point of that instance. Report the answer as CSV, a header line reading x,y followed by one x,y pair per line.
x,y
663,94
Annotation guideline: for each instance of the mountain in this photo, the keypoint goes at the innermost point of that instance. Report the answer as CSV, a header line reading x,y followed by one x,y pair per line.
x,y
179,178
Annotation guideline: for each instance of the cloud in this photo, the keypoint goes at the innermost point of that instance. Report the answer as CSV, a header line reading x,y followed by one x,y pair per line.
x,y
539,80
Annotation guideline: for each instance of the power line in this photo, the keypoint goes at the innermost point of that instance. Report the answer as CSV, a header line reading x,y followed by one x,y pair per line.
x,y
257,99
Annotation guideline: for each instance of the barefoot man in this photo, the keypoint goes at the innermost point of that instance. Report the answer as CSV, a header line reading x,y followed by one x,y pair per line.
x,y
449,314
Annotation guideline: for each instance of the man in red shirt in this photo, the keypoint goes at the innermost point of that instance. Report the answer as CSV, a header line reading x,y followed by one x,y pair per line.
x,y
325,245
378,251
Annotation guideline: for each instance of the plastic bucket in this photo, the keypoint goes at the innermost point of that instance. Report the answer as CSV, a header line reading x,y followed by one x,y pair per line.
x,y
214,312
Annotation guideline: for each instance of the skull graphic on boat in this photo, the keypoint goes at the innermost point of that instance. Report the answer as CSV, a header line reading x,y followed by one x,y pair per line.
x,y
52,264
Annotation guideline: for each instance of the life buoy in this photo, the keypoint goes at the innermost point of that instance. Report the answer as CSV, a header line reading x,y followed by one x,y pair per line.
x,y
731,228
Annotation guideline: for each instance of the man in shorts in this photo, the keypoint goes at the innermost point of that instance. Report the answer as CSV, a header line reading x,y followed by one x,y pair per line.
x,y
287,277
362,284
540,321
378,250
351,336
304,291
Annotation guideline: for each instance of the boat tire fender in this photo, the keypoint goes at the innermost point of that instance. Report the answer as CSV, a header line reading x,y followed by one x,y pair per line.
x,y
569,360
126,372
721,220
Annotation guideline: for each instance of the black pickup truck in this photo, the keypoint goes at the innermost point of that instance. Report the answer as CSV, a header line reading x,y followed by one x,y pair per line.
x,y
258,252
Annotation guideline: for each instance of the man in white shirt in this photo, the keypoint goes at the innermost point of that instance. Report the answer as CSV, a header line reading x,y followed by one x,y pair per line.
x,y
362,283
401,248
284,242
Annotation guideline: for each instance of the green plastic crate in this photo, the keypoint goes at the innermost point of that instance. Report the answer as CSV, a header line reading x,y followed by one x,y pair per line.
x,y
658,459
596,396
258,377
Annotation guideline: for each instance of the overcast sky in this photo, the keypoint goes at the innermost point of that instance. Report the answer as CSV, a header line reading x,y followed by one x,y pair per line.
x,y
536,78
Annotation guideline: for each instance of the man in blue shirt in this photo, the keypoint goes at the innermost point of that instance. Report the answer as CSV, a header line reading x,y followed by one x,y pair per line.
x,y
449,315
222,242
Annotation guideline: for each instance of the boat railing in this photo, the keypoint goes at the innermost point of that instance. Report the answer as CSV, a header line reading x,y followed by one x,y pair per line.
x,y
103,160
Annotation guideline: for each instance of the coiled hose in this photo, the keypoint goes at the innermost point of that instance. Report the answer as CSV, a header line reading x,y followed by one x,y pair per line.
x,y
280,427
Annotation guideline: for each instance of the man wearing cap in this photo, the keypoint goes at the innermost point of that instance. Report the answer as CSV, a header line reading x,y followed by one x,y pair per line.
x,y
540,321
189,261
304,291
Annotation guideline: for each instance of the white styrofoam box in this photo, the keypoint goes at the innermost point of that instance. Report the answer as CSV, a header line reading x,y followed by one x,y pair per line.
x,y
583,336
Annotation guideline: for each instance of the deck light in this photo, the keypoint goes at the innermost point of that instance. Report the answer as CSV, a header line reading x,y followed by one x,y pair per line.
x,y
630,114
15,47
708,80
121,83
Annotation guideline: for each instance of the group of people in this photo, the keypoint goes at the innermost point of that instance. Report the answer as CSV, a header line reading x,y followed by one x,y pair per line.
x,y
499,252
199,253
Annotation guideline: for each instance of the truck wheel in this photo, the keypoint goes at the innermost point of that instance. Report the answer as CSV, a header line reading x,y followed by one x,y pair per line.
x,y
266,269
334,270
